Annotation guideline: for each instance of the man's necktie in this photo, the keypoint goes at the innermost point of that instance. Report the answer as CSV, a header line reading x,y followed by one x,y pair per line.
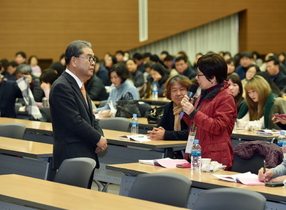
x,y
83,92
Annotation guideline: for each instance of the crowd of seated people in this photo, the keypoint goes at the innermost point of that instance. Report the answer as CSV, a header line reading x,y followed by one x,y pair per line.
x,y
157,69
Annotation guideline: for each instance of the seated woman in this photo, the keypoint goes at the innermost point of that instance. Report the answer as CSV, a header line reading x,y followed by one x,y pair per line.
x,y
171,127
159,77
135,75
249,74
236,89
119,77
213,115
260,105
47,78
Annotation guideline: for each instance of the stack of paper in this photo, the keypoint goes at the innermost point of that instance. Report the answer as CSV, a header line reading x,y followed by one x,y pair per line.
x,y
165,162
141,138
246,178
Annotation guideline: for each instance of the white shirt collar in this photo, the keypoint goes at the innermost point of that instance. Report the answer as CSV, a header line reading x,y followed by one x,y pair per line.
x,y
79,83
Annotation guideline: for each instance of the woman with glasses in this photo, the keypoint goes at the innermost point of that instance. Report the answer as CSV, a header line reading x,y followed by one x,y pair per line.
x,y
212,117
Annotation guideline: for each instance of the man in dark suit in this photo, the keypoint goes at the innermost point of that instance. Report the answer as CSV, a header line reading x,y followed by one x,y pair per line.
x,y
274,71
76,131
9,91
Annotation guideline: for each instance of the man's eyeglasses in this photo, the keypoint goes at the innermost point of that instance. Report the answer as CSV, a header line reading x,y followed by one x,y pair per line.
x,y
90,59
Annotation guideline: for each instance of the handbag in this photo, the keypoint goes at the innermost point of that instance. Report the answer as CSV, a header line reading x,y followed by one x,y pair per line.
x,y
126,106
155,115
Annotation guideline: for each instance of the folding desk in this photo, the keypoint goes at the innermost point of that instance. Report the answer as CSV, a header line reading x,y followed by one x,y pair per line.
x,y
20,192
200,181
30,163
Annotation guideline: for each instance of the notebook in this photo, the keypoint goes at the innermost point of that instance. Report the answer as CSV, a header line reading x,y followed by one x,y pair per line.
x,y
246,178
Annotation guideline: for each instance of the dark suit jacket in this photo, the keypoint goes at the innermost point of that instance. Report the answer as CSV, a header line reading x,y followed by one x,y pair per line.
x,y
9,91
167,122
96,89
76,131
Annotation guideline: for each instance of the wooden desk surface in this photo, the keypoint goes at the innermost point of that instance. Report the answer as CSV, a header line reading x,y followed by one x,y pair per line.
x,y
25,148
160,99
31,125
24,190
202,180
113,138
251,135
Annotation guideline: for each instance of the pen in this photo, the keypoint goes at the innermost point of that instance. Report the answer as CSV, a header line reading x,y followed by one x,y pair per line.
x,y
263,133
264,169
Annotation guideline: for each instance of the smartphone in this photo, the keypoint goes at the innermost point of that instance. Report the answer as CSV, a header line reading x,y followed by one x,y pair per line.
x,y
274,184
280,115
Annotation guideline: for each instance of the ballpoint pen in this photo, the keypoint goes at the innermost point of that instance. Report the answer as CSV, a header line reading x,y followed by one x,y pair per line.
x,y
264,169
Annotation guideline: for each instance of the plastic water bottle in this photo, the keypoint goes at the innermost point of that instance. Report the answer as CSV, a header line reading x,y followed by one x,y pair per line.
x,y
281,140
134,125
155,92
196,156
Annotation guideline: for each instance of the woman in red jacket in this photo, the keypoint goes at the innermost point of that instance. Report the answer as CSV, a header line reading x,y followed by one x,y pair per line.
x,y
213,115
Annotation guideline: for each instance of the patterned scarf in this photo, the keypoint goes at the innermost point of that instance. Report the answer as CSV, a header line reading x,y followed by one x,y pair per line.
x,y
177,122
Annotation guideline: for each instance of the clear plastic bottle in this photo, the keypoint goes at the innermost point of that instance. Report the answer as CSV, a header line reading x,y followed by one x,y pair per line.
x,y
155,92
134,125
196,156
281,141
281,138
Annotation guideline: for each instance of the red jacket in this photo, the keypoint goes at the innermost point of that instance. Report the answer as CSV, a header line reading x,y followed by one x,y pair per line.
x,y
215,117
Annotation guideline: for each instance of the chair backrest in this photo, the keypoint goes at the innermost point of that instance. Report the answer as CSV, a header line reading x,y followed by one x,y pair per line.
x,y
244,165
13,130
167,188
76,171
115,123
46,113
230,198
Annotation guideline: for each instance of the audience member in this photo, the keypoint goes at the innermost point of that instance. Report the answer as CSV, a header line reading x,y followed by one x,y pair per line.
x,y
76,131
135,75
246,59
273,86
257,58
249,74
260,105
236,89
282,58
25,69
5,63
47,78
63,60
10,73
95,88
182,66
230,65
20,58
9,91
171,127
119,77
226,56
146,57
184,54
169,62
33,62
109,62
119,55
198,55
278,77
163,55
126,56
214,113
139,62
58,67
159,77
101,72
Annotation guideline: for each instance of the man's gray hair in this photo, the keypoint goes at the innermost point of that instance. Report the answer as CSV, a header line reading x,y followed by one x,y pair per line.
x,y
75,49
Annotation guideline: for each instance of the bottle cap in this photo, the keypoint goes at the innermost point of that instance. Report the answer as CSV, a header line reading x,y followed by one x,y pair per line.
x,y
134,115
196,141
282,132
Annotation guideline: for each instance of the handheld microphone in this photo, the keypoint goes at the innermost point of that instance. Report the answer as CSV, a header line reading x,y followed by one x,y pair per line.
x,y
192,90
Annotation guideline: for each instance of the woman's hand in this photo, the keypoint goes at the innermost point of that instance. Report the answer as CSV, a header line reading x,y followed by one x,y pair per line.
x,y
187,105
279,119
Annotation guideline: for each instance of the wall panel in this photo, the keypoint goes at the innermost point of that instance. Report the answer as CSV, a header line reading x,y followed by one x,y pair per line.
x,y
44,28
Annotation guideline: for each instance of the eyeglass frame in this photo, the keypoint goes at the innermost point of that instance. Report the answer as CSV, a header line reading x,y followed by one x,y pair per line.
x,y
89,58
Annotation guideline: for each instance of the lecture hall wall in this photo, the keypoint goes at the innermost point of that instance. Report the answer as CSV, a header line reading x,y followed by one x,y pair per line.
x,y
44,28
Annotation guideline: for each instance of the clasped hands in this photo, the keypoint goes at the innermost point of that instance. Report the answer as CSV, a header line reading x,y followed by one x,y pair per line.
x,y
101,145
156,134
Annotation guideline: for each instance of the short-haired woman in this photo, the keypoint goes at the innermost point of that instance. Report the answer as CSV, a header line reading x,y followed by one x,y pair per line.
x,y
213,115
